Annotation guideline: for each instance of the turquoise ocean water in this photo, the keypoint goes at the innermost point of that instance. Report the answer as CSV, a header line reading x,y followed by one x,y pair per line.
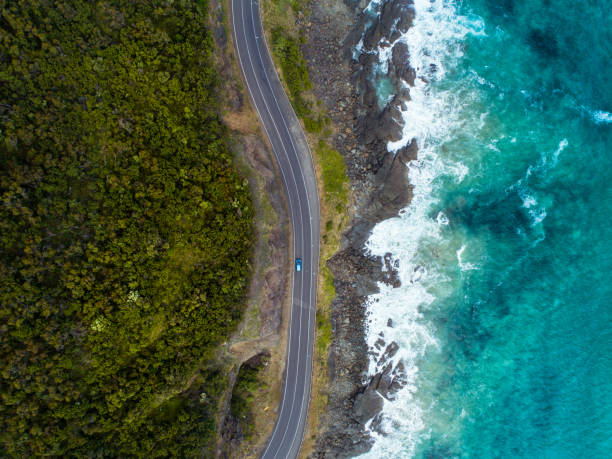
x,y
504,316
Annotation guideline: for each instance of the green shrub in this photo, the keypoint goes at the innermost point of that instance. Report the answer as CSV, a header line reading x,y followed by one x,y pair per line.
x,y
314,126
247,382
293,66
324,327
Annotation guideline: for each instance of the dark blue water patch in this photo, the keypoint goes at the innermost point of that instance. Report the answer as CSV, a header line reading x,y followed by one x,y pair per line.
x,y
574,37
503,8
544,42
499,214
437,451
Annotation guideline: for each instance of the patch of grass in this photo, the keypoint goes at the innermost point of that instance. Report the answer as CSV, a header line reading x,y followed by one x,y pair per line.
x,y
324,335
252,323
281,6
324,328
333,169
315,125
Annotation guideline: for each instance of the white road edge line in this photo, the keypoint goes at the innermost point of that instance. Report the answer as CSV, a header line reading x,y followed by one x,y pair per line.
x,y
314,274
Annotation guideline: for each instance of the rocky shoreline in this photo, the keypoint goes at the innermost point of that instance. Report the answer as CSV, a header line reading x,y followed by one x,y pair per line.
x,y
380,189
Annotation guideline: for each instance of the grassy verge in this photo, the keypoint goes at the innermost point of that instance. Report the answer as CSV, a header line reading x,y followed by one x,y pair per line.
x,y
282,19
332,177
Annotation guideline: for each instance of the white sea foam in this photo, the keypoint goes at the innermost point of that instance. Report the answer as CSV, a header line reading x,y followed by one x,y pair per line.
x,y
548,161
598,116
358,49
434,42
442,219
372,8
536,211
415,238
601,117
528,201
463,265
482,118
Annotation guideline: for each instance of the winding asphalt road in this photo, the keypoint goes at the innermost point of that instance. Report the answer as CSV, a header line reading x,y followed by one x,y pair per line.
x,y
297,172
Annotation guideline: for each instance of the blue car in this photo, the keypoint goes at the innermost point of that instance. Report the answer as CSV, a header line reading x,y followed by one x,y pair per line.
x,y
298,264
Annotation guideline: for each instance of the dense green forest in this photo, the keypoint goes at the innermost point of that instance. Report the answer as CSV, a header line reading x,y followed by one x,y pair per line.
x,y
125,231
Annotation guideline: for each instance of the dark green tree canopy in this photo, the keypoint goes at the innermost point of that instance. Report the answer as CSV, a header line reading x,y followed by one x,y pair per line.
x,y
125,231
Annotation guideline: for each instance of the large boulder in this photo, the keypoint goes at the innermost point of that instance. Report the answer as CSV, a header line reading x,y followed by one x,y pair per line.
x,y
394,19
400,64
394,191
391,121
391,380
367,405
383,126
402,12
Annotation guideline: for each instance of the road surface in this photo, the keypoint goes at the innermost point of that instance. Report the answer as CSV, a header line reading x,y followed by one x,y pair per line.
x,y
299,181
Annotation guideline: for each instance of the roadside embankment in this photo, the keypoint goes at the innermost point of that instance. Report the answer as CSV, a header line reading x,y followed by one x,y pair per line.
x,y
254,357
286,26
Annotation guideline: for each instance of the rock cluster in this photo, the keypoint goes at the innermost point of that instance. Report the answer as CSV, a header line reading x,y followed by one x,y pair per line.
x,y
371,36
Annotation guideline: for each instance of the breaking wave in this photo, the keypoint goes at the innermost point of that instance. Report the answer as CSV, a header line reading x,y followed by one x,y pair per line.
x,y
431,116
